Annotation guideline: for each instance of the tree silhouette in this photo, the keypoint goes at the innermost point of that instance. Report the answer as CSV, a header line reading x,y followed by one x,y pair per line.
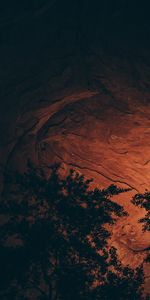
x,y
143,201
54,241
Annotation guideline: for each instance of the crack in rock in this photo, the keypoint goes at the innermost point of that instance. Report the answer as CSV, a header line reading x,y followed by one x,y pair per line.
x,y
98,172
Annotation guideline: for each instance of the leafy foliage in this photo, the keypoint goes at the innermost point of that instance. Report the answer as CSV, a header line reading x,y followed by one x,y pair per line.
x,y
54,243
143,200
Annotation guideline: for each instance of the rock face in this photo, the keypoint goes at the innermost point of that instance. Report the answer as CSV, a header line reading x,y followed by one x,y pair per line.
x,y
84,106
102,131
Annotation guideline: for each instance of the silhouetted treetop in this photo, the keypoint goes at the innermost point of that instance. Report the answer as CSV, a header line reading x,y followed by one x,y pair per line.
x,y
54,243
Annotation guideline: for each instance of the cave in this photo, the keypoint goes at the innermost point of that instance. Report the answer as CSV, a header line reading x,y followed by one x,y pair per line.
x,y
75,87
